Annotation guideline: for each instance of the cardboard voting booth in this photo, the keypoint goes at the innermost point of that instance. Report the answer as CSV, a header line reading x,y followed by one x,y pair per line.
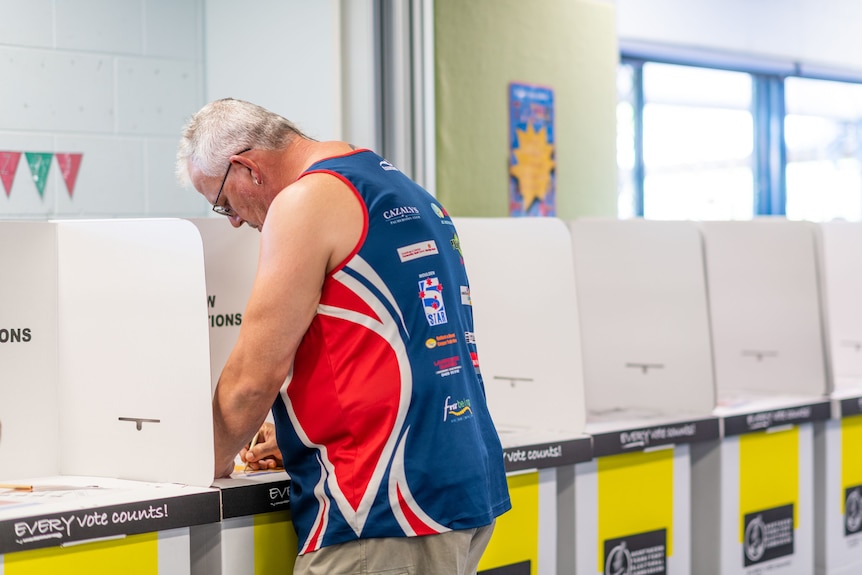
x,y
837,442
644,322
526,330
105,417
230,262
255,534
752,492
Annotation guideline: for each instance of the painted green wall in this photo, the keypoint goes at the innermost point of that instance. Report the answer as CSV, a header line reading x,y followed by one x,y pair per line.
x,y
483,45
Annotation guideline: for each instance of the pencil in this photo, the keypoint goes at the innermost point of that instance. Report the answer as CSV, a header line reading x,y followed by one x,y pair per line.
x,y
16,486
252,444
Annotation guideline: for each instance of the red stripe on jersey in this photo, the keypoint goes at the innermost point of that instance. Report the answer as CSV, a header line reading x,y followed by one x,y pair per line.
x,y
338,295
419,526
314,541
354,372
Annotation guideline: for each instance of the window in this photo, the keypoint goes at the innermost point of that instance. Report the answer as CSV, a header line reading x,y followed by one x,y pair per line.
x,y
822,138
707,143
697,143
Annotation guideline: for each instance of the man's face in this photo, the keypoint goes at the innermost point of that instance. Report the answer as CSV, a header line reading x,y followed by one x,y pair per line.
x,y
232,194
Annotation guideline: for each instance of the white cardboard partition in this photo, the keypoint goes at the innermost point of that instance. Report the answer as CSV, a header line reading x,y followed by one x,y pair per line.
x,y
753,493
230,256
29,401
644,318
526,323
119,332
133,345
108,384
765,308
841,267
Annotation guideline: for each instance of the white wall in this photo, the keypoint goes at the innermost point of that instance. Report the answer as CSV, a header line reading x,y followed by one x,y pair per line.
x,y
810,32
284,55
113,80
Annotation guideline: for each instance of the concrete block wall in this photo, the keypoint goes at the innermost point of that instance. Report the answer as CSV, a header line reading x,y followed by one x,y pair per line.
x,y
113,80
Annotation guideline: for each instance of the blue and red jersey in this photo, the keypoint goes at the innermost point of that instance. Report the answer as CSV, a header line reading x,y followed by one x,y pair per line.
x,y
383,423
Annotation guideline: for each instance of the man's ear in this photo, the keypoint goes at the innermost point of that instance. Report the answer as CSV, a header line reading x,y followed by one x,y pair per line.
x,y
251,165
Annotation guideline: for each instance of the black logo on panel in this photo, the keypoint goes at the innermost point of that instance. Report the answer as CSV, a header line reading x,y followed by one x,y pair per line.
x,y
852,510
768,535
640,554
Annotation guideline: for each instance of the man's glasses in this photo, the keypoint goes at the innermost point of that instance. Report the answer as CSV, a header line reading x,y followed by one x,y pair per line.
x,y
225,209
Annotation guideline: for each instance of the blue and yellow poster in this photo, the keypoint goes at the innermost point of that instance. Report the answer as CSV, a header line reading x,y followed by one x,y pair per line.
x,y
532,168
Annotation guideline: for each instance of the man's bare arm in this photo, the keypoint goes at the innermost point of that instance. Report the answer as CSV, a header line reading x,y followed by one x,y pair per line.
x,y
310,227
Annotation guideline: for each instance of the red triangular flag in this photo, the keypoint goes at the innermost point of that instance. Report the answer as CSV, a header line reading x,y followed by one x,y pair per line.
x,y
8,165
69,165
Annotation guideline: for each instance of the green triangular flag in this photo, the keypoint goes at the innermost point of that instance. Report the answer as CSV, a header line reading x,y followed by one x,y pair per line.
x,y
39,163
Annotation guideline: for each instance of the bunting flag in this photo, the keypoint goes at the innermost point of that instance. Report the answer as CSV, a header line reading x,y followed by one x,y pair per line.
x,y
8,165
40,163
69,165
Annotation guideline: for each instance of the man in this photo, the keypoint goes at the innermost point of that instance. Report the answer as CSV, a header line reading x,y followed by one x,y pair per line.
x,y
359,336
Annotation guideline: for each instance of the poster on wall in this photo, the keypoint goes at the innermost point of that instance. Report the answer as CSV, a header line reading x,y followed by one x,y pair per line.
x,y
532,165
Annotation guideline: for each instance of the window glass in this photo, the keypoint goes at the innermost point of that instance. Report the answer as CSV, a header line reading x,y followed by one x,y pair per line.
x,y
698,143
822,137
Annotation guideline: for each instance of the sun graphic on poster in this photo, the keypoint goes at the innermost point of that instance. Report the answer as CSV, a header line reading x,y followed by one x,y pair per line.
x,y
534,161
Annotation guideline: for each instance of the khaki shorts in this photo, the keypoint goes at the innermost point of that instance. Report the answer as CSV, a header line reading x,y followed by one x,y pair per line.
x,y
450,553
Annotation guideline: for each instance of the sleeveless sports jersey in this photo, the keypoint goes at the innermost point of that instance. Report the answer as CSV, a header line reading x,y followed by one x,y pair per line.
x,y
383,423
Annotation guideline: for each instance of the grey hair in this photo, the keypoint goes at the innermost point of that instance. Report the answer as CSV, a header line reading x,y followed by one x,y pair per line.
x,y
225,127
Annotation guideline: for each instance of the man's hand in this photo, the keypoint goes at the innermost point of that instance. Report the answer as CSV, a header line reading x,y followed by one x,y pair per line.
x,y
265,453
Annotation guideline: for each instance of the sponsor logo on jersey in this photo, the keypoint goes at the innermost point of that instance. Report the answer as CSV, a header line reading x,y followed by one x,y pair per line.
x,y
401,214
456,245
387,166
456,410
417,250
448,366
442,214
431,294
441,341
465,295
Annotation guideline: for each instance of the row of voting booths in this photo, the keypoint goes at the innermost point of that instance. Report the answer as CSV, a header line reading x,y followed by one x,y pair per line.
x,y
713,366
672,397
719,365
